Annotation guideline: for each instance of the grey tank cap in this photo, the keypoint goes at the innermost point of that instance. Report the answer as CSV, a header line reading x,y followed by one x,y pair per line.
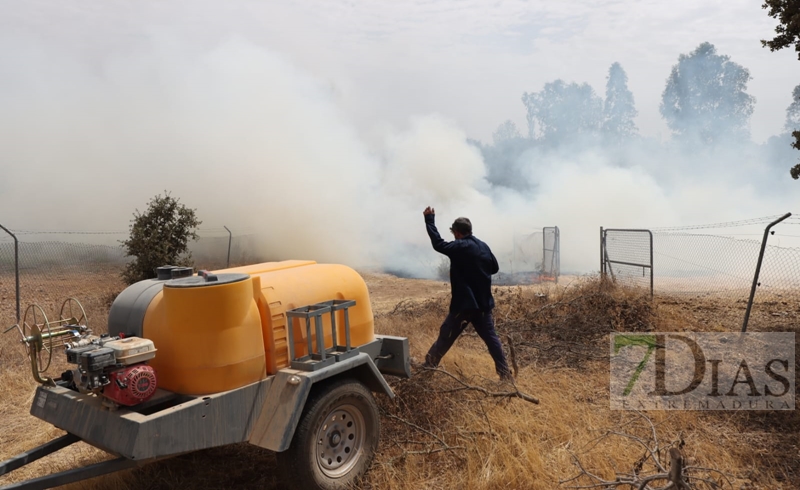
x,y
205,278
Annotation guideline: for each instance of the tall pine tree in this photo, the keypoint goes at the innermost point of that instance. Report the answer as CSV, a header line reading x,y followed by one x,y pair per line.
x,y
619,109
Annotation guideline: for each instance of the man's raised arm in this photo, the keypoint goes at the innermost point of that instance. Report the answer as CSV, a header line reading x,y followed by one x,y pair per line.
x,y
439,244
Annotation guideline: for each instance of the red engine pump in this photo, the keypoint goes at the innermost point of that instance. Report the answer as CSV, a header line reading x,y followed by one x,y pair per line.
x,y
131,385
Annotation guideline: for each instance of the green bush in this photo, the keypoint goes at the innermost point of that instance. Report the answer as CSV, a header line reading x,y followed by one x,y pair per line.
x,y
159,236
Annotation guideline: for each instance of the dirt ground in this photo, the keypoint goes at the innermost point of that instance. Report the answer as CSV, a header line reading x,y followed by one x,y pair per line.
x,y
442,431
386,290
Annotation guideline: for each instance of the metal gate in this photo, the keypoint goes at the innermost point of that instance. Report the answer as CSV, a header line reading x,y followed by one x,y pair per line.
x,y
535,257
551,257
627,256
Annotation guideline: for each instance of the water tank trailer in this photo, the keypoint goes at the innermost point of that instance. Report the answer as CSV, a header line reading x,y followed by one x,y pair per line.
x,y
282,355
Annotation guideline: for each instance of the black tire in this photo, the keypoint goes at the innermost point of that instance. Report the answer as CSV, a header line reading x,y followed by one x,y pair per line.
x,y
336,439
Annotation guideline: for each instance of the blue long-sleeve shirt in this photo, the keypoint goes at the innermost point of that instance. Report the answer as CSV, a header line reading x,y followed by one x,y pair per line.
x,y
471,267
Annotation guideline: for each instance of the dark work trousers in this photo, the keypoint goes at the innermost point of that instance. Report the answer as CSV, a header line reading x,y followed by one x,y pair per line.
x,y
454,325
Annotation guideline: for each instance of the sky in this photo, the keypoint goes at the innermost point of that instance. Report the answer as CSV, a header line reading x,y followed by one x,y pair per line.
x,y
467,60
328,126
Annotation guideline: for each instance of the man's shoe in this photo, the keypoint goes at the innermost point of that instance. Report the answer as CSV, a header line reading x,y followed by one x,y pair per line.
x,y
416,364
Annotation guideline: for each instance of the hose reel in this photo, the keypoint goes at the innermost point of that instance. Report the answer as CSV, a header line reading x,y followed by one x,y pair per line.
x,y
40,336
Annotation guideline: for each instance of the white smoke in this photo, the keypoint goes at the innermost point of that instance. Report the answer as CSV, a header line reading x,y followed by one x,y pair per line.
x,y
237,132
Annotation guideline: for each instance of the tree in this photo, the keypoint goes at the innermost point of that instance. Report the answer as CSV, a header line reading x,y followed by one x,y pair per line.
x,y
705,99
788,29
506,132
788,33
619,108
793,112
502,159
793,124
159,236
563,111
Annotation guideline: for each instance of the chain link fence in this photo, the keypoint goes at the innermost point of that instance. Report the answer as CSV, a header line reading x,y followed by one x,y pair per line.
x,y
52,271
54,266
527,254
708,260
534,257
217,252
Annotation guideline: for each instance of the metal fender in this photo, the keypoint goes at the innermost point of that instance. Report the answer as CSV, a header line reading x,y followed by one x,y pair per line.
x,y
289,391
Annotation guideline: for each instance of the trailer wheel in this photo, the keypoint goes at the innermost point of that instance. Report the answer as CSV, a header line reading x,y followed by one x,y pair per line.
x,y
335,440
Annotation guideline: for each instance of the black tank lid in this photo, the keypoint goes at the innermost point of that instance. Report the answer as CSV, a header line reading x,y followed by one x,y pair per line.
x,y
179,272
164,272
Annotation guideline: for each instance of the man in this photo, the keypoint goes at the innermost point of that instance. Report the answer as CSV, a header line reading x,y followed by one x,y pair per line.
x,y
471,267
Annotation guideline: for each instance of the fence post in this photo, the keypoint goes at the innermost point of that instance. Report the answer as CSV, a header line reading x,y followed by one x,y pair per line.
x,y
557,251
602,262
544,248
758,269
16,264
230,237
652,265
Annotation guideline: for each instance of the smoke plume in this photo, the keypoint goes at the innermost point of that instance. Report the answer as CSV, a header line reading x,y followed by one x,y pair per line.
x,y
238,132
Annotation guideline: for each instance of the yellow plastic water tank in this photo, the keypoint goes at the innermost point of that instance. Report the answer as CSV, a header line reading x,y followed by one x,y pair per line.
x,y
283,289
208,334
221,334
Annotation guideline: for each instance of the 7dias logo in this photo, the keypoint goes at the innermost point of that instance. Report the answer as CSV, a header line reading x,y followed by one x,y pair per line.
x,y
702,371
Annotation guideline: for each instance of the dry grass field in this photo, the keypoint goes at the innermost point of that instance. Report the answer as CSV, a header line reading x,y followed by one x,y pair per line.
x,y
460,428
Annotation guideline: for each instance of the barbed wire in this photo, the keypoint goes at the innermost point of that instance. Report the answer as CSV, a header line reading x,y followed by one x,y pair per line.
x,y
725,224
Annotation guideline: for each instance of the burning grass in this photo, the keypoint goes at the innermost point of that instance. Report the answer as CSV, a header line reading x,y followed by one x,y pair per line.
x,y
463,429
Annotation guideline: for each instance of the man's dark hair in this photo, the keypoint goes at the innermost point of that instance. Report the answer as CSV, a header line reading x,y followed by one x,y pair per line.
x,y
462,225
